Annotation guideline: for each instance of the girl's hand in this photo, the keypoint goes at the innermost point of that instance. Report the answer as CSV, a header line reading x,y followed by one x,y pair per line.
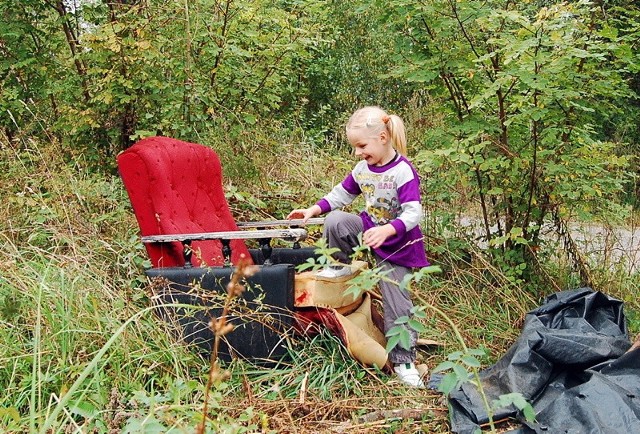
x,y
304,214
374,237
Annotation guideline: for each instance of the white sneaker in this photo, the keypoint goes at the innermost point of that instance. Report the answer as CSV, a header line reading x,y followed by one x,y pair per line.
x,y
335,271
409,375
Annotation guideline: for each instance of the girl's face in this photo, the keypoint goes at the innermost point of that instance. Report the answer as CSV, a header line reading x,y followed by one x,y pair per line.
x,y
374,149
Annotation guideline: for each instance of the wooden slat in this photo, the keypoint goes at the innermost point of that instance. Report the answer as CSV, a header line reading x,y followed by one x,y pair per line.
x,y
290,223
293,234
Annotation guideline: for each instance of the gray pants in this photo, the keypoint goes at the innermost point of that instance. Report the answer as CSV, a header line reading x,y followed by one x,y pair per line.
x,y
341,230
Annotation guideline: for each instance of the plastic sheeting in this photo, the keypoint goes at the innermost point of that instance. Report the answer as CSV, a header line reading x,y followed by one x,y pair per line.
x,y
570,363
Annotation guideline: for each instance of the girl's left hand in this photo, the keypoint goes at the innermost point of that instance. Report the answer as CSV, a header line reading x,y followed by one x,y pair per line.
x,y
374,237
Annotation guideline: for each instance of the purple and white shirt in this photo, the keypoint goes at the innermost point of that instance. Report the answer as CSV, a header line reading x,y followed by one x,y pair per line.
x,y
392,195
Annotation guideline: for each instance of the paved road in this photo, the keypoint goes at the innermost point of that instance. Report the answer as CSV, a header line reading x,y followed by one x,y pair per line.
x,y
602,246
612,246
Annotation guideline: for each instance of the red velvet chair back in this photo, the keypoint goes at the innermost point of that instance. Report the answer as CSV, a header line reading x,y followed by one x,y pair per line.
x,y
176,187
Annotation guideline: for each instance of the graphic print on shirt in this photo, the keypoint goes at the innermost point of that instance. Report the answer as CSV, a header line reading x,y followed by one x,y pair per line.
x,y
380,196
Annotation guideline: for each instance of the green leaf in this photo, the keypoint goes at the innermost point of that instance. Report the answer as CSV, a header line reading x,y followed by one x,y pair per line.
x,y
448,383
443,366
470,361
392,342
417,326
461,372
421,76
455,355
529,413
85,409
405,339
517,400
401,320
477,352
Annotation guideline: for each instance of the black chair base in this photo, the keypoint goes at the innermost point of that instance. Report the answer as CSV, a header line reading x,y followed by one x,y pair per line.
x,y
262,315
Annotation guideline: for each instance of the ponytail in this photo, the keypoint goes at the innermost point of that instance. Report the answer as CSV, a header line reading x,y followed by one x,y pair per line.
x,y
397,134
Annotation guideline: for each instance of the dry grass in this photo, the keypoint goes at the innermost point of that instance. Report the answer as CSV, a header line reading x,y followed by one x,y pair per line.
x,y
71,269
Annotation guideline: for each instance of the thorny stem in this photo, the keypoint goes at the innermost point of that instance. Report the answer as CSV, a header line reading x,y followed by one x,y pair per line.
x,y
476,373
449,321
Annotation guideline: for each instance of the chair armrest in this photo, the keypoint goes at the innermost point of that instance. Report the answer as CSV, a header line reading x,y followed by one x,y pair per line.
x,y
294,223
287,234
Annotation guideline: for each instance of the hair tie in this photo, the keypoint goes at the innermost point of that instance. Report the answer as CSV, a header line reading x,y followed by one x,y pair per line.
x,y
386,119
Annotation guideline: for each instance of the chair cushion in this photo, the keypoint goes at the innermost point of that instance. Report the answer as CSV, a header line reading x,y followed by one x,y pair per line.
x,y
176,187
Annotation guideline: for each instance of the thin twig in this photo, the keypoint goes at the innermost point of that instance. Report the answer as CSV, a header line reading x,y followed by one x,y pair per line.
x,y
220,328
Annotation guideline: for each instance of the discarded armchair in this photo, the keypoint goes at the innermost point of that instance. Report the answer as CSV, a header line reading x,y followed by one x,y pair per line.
x,y
193,242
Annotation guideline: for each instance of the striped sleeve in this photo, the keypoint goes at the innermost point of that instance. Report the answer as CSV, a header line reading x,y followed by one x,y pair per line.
x,y
408,185
341,195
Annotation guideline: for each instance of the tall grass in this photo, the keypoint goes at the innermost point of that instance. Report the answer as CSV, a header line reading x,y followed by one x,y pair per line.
x,y
82,350
77,334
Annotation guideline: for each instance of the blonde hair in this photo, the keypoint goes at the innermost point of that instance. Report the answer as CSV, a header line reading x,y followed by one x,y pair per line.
x,y
376,120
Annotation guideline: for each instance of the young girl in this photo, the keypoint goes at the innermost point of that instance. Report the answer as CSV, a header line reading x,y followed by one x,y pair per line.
x,y
389,222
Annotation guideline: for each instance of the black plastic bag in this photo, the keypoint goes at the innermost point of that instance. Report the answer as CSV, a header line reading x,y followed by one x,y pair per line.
x,y
570,364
